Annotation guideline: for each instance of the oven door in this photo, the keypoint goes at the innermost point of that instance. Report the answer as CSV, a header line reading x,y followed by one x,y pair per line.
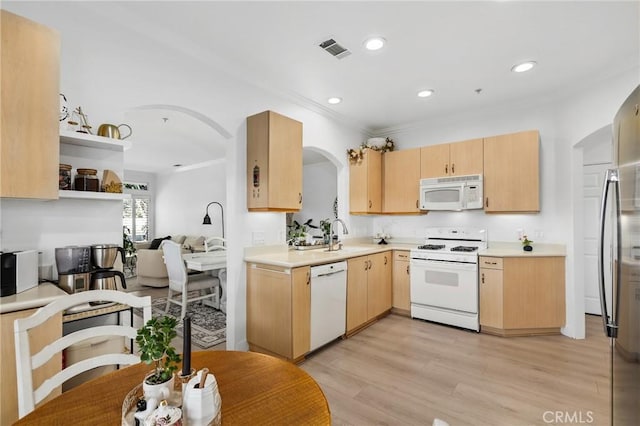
x,y
444,284
448,196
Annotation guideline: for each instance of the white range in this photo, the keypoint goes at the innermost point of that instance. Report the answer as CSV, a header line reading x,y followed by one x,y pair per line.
x,y
444,276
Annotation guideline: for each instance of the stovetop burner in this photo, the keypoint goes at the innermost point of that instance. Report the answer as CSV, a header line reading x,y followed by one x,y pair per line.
x,y
464,248
431,247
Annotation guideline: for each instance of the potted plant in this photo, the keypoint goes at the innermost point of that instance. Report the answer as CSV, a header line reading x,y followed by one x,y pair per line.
x,y
526,243
154,342
127,244
325,225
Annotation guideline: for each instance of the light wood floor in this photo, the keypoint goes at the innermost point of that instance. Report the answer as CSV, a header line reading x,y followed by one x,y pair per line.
x,y
401,371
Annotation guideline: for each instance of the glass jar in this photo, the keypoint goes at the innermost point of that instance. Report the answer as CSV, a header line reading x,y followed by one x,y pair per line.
x,y
64,177
86,180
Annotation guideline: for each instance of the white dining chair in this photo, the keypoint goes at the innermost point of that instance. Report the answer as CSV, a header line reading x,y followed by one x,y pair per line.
x,y
214,243
26,362
181,282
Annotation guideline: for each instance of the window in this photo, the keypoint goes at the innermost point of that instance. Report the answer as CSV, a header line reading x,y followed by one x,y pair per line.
x,y
136,213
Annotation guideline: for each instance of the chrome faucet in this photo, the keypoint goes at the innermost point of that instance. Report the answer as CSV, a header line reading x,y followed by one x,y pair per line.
x,y
345,231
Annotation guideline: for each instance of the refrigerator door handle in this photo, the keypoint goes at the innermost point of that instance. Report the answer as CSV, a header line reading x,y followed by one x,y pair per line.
x,y
611,177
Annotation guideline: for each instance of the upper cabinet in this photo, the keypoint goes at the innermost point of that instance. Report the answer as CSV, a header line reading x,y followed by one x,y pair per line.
x,y
274,163
451,159
511,172
365,184
401,181
29,148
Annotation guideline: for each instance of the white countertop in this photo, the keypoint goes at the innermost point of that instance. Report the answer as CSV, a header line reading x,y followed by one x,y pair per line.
x,y
508,249
283,256
36,297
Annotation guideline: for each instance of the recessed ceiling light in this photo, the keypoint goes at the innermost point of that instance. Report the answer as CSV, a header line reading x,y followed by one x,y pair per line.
x,y
374,43
524,66
334,101
425,93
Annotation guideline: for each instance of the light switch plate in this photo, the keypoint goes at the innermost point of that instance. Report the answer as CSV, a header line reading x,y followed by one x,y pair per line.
x,y
257,238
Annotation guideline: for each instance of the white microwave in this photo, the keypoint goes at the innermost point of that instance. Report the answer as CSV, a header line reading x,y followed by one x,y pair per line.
x,y
451,193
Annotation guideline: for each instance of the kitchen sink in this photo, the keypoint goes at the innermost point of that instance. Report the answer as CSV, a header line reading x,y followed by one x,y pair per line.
x,y
351,249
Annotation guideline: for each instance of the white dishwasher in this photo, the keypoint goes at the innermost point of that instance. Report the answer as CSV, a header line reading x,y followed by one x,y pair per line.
x,y
328,303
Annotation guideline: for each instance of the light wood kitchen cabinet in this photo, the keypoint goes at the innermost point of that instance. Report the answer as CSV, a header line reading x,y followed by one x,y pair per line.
x,y
511,172
522,296
274,163
401,181
38,338
451,159
279,310
401,284
30,79
365,184
368,289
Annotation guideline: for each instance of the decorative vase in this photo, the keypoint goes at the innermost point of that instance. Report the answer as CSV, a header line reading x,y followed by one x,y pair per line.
x,y
527,248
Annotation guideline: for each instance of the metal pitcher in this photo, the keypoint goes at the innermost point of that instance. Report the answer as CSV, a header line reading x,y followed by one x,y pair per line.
x,y
113,131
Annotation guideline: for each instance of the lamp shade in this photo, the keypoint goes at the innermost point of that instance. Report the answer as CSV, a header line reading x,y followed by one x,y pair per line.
x,y
207,220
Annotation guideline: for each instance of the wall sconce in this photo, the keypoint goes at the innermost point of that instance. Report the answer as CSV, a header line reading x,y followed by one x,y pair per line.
x,y
207,219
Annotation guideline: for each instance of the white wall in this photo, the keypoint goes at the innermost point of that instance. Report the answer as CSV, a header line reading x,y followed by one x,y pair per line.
x,y
320,183
182,198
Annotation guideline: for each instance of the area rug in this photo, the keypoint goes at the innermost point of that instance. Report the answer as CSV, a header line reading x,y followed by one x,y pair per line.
x,y
208,325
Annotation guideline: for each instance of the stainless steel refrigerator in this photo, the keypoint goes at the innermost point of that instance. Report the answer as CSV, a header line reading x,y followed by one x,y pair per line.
x,y
620,299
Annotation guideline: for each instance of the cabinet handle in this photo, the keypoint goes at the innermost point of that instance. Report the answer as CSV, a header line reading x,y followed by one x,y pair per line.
x,y
407,269
417,203
453,168
308,278
486,203
369,203
370,264
299,197
366,265
446,169
483,278
385,260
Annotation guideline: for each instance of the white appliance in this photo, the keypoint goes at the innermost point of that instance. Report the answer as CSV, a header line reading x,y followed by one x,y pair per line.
x,y
328,303
444,276
451,193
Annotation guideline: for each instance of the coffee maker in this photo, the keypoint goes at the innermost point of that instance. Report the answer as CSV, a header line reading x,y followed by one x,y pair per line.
x,y
74,268
103,276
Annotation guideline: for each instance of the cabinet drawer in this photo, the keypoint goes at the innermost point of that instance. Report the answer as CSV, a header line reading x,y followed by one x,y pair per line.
x,y
491,262
402,255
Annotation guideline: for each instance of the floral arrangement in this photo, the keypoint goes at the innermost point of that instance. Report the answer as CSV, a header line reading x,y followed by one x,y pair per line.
x,y
525,241
356,155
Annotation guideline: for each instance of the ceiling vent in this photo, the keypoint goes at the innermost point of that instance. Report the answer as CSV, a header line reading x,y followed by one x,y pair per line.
x,y
334,48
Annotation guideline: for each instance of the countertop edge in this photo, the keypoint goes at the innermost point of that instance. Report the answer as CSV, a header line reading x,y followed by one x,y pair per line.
x,y
36,297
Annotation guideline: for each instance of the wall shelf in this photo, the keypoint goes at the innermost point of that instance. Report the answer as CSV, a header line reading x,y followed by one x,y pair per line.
x,y
92,141
88,195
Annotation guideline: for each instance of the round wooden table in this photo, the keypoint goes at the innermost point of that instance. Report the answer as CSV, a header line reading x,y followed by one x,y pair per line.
x,y
255,389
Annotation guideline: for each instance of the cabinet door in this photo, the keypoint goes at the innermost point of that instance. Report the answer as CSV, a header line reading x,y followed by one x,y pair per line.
x,y
465,158
285,163
269,309
39,338
301,311
534,292
29,91
491,302
365,184
511,173
356,291
401,177
434,161
274,162
401,299
379,284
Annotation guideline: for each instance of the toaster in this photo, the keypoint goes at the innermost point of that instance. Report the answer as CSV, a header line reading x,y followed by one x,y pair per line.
x,y
18,272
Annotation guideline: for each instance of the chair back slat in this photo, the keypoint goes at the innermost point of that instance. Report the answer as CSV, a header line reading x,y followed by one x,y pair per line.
x,y
26,362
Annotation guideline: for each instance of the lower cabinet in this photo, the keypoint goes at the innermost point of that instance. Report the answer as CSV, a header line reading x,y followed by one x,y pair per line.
x,y
401,299
39,338
368,289
522,296
279,310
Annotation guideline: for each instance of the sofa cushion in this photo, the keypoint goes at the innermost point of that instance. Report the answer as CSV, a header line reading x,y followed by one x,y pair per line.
x,y
156,242
193,241
178,239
